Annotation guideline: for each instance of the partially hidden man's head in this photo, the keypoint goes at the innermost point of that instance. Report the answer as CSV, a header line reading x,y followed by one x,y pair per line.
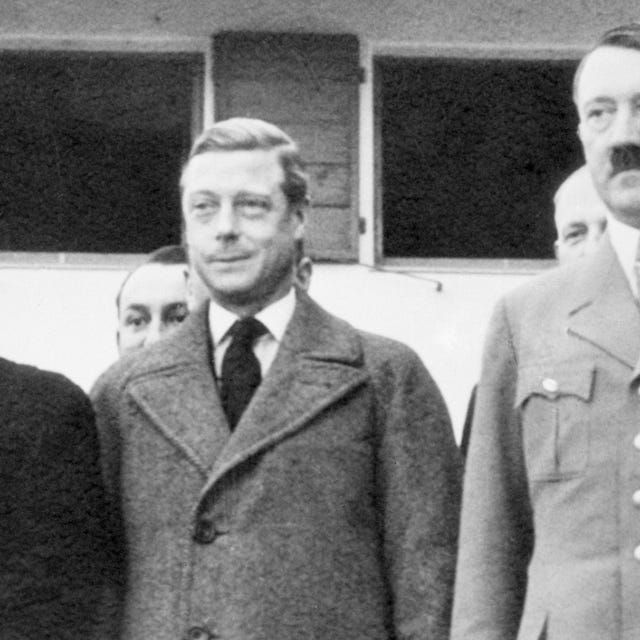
x,y
244,194
153,299
579,215
607,96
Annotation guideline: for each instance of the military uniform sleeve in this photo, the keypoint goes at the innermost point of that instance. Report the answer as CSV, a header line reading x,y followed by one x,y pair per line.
x,y
419,486
496,535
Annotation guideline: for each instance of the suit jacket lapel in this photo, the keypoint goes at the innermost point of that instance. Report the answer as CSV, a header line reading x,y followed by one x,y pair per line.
x,y
604,311
180,397
318,361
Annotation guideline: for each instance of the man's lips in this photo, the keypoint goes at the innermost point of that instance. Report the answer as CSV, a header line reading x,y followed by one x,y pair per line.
x,y
228,258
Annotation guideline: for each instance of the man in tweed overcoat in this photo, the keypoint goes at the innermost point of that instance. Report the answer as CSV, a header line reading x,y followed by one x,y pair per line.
x,y
330,510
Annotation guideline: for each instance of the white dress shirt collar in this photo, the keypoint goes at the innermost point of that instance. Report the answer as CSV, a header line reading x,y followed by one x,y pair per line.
x,y
624,240
274,317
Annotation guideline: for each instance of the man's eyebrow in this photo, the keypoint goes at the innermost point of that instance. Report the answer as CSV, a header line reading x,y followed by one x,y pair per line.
x,y
258,194
203,192
571,226
135,306
599,100
174,305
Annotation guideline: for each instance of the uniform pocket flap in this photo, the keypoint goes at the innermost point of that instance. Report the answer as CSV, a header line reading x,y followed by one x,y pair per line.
x,y
553,380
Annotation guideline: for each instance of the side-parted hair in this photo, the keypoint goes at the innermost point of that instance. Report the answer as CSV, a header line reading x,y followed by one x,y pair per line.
x,y
170,254
626,36
248,134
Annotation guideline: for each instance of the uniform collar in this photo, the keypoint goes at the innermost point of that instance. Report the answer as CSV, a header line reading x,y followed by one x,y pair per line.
x,y
624,240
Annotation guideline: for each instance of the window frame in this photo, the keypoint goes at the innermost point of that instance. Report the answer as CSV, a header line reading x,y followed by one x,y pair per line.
x,y
371,153
202,116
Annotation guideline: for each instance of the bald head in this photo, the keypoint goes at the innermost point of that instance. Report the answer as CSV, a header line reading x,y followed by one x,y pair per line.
x,y
580,216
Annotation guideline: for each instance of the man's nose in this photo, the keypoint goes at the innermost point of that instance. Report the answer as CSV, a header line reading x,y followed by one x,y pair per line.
x,y
226,220
593,238
154,331
626,125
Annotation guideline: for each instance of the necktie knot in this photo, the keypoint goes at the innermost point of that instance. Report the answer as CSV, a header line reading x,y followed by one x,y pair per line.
x,y
247,330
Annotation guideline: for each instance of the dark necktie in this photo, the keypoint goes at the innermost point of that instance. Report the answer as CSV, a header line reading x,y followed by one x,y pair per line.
x,y
240,368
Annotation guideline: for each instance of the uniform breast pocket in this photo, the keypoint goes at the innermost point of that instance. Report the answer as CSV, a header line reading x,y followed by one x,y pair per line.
x,y
554,403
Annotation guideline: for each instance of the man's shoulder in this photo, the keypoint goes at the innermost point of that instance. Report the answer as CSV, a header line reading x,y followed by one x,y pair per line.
x,y
547,295
545,286
168,353
22,378
32,395
375,350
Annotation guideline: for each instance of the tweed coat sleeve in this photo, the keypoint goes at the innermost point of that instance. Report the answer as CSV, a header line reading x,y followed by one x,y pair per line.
x,y
419,486
496,537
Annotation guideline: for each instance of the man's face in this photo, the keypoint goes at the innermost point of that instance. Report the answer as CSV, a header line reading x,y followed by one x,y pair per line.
x,y
579,229
239,228
608,100
153,303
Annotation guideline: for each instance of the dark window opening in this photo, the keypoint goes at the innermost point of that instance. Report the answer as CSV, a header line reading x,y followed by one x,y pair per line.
x,y
472,152
91,149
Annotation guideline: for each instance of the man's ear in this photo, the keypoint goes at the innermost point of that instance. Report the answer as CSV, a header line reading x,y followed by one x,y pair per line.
x,y
555,249
301,213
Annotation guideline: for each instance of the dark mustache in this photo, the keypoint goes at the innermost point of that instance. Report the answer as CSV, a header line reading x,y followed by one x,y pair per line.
x,y
625,157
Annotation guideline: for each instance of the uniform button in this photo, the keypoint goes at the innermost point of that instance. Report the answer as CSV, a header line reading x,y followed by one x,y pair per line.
x,y
636,441
198,633
550,385
636,553
205,532
636,498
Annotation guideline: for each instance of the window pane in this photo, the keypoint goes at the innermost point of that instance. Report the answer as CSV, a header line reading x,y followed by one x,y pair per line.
x,y
91,150
472,152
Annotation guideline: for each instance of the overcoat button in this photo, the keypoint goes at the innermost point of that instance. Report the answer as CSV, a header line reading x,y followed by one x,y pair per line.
x,y
205,532
550,385
636,441
636,553
636,497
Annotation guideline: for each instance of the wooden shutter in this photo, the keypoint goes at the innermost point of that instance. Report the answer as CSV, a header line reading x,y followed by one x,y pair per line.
x,y
307,84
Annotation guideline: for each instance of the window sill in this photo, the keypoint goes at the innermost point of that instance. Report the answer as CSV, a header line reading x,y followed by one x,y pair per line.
x,y
466,265
71,260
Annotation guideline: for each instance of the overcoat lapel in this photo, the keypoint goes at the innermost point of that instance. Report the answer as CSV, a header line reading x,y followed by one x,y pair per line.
x,y
318,362
605,312
180,397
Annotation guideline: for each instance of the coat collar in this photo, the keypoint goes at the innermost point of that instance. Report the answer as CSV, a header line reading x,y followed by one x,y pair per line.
x,y
602,308
319,360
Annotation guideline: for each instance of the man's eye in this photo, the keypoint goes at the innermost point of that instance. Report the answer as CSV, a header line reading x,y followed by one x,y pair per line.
x,y
600,117
575,236
177,315
250,206
135,321
203,208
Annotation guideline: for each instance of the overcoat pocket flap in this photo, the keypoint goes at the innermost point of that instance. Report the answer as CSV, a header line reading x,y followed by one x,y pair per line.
x,y
552,380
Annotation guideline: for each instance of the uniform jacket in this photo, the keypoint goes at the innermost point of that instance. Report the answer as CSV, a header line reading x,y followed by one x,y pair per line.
x,y
53,549
330,512
551,516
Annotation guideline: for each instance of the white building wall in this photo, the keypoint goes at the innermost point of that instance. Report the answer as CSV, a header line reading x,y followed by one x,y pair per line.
x,y
64,319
